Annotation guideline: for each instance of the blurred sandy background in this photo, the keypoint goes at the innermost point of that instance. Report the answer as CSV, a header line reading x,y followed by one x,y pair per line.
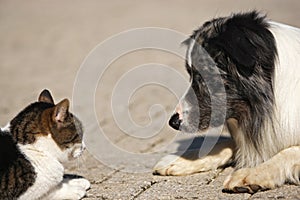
x,y
43,43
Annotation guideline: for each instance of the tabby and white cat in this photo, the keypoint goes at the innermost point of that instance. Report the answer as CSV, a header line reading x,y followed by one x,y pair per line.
x,y
32,149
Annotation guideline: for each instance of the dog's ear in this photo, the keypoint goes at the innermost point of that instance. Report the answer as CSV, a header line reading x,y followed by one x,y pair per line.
x,y
239,48
243,38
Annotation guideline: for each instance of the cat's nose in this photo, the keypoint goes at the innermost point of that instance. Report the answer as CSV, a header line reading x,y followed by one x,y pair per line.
x,y
175,121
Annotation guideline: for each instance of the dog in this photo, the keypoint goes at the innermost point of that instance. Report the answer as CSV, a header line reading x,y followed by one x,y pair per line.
x,y
258,63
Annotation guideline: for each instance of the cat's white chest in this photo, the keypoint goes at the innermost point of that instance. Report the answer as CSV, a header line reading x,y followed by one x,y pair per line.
x,y
44,155
49,172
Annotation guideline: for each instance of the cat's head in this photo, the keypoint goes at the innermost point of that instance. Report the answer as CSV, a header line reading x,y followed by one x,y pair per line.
x,y
50,128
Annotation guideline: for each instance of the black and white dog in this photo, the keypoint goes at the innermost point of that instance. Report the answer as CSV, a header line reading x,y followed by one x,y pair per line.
x,y
258,62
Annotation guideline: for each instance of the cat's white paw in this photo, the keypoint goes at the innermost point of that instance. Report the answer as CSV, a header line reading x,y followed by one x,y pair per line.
x,y
80,182
72,192
73,189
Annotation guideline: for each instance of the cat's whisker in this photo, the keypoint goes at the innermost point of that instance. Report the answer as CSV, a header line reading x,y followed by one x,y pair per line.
x,y
80,163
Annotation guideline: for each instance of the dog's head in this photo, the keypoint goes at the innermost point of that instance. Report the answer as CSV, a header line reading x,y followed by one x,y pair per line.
x,y
242,53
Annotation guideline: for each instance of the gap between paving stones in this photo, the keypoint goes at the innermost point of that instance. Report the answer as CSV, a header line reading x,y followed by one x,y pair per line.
x,y
106,178
143,188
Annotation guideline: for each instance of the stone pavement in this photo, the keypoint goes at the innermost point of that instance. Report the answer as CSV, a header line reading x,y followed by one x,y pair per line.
x,y
44,43
114,184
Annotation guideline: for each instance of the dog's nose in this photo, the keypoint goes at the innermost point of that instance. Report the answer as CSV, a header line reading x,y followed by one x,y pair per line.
x,y
175,122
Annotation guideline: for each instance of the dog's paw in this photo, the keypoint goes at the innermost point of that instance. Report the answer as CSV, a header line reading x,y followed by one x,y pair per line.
x,y
250,180
173,165
191,162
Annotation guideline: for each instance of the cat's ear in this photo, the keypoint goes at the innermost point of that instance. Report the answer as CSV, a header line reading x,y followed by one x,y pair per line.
x,y
46,97
61,111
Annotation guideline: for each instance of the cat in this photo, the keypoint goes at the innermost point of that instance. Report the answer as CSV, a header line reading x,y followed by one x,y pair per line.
x,y
33,147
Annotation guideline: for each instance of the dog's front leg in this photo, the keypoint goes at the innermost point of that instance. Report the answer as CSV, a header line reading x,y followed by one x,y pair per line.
x,y
283,167
190,162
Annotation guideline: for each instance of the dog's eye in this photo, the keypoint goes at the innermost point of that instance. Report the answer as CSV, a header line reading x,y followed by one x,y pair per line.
x,y
197,77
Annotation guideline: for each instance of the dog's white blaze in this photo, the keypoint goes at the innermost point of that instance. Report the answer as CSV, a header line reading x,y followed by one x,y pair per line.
x,y
189,52
182,104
